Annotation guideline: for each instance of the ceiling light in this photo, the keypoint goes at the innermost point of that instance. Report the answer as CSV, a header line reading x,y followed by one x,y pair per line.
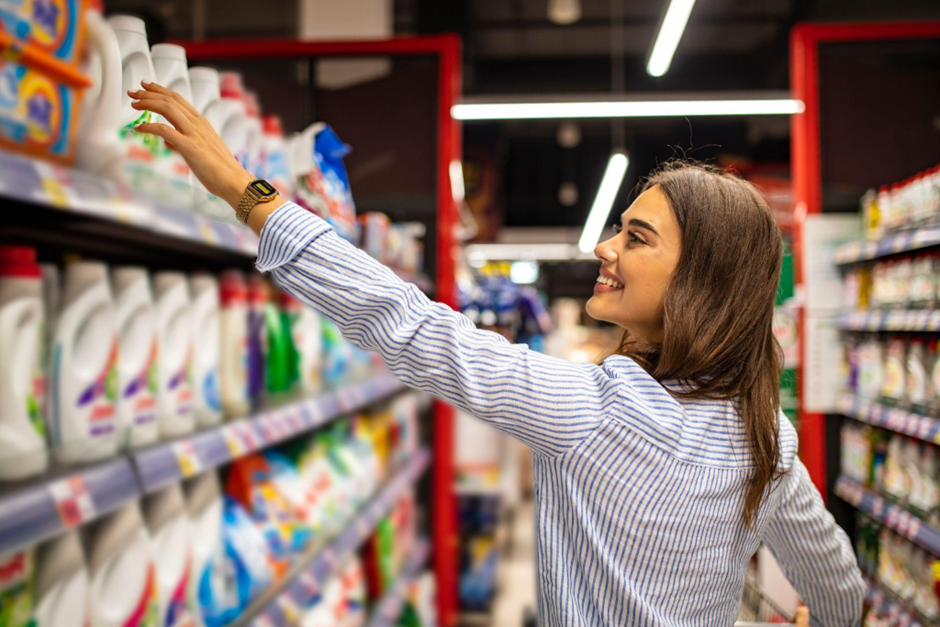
x,y
670,32
606,194
622,109
524,272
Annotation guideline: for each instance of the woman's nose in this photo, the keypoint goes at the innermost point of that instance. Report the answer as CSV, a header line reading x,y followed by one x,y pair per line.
x,y
604,252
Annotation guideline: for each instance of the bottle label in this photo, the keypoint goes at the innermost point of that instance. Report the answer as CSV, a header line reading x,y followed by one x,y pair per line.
x,y
141,391
98,400
179,613
180,387
147,611
16,595
35,397
210,391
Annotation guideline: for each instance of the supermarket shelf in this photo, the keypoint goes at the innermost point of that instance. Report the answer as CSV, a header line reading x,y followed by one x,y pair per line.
x,y
905,241
168,462
915,320
888,514
888,605
45,508
282,606
892,418
390,606
111,212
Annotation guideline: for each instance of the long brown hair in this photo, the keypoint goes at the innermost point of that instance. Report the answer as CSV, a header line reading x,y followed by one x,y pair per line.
x,y
718,308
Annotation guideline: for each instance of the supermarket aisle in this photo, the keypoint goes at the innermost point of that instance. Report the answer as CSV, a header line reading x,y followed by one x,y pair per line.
x,y
517,576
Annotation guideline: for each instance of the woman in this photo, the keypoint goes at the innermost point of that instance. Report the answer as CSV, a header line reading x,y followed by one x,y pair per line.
x,y
658,472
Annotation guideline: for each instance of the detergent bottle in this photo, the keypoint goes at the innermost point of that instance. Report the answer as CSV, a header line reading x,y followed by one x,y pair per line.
x,y
306,327
257,345
169,527
17,583
137,357
275,157
206,347
236,129
207,101
61,583
22,364
171,71
83,395
123,577
204,506
233,367
255,142
175,330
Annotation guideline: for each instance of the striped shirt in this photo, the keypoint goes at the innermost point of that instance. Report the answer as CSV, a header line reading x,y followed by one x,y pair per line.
x,y
639,495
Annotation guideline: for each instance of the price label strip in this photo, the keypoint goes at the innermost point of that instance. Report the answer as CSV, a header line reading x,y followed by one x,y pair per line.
x,y
73,501
188,458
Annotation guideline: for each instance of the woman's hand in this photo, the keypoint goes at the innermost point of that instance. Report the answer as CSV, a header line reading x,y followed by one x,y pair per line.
x,y
193,137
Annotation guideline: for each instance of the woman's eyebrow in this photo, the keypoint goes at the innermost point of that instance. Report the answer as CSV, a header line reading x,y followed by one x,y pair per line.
x,y
643,224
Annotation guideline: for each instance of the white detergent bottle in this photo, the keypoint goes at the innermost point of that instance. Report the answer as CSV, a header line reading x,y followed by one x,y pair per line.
x,y
275,157
255,142
17,587
233,367
175,333
169,65
23,450
207,100
61,583
99,149
204,505
83,391
169,526
206,346
137,357
140,149
235,124
123,575
306,327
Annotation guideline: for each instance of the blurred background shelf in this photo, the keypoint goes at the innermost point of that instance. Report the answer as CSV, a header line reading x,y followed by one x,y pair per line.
x,y
892,418
903,242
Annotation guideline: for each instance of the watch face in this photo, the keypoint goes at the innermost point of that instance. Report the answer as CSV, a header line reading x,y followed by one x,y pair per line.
x,y
263,187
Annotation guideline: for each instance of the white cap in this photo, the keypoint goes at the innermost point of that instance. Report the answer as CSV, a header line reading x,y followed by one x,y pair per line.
x,y
203,75
168,51
128,23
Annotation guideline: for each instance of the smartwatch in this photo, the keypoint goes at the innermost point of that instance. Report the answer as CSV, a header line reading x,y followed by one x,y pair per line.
x,y
258,191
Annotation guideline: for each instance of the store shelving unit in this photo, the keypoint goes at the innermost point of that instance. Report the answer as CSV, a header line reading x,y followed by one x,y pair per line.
x,y
280,606
389,607
889,514
886,603
904,242
39,509
909,423
900,320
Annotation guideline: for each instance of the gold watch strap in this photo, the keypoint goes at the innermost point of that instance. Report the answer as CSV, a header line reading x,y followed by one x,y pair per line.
x,y
251,198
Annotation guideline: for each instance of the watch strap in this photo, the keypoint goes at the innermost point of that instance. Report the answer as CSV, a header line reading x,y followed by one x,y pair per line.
x,y
251,198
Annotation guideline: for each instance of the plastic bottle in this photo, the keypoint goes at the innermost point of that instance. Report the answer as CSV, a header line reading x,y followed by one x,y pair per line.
x,y
275,157
123,575
61,583
17,579
257,298
169,527
83,392
233,367
170,70
281,370
99,149
51,295
255,142
204,506
206,337
137,357
23,449
140,150
306,326
236,130
175,330
204,82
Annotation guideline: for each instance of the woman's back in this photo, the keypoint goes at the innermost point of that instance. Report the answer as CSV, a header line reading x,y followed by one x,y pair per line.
x,y
640,523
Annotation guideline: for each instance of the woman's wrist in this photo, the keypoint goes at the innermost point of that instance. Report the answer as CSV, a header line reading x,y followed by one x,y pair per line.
x,y
234,187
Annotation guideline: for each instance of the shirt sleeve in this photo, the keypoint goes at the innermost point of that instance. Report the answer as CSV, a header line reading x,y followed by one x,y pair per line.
x,y
815,553
549,404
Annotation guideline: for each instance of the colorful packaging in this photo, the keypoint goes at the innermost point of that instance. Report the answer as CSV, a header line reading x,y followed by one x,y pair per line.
x,y
247,567
894,381
275,158
16,589
52,26
257,345
374,234
282,358
337,355
306,329
322,184
175,331
206,320
917,375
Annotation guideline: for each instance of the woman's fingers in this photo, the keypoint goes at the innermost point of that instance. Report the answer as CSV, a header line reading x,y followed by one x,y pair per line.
x,y
155,88
168,109
169,134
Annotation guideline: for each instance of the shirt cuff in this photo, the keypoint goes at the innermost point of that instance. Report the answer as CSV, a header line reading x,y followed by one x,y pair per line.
x,y
286,232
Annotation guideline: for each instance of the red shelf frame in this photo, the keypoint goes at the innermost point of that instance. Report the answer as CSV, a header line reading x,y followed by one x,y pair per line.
x,y
447,49
807,176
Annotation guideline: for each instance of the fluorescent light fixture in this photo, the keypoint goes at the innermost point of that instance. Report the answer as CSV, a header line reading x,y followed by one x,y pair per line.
x,y
610,185
622,109
456,181
481,253
677,16
524,272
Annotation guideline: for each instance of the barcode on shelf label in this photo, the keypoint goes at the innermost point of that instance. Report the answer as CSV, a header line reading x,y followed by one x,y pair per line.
x,y
72,500
187,457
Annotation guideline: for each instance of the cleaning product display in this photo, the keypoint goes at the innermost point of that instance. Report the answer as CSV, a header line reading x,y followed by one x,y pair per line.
x,y
175,330
171,70
206,326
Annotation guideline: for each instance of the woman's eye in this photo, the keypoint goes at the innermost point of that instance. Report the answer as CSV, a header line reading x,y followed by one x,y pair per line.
x,y
633,239
617,227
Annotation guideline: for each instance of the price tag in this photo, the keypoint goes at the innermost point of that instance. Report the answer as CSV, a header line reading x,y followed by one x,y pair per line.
x,y
287,605
208,234
72,500
901,242
933,324
309,583
296,420
874,321
236,447
187,457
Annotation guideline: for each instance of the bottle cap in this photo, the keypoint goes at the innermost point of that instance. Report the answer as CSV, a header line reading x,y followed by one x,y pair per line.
x,y
272,125
19,262
128,23
230,84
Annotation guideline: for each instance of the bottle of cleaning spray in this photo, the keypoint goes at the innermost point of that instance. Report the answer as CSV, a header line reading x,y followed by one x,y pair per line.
x,y
169,526
175,330
137,361
83,390
23,449
206,349
169,65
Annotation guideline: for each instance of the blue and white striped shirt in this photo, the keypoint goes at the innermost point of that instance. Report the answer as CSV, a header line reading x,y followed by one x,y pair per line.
x,y
639,495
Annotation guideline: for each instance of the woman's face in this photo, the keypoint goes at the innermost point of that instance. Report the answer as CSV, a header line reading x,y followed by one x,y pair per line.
x,y
639,261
